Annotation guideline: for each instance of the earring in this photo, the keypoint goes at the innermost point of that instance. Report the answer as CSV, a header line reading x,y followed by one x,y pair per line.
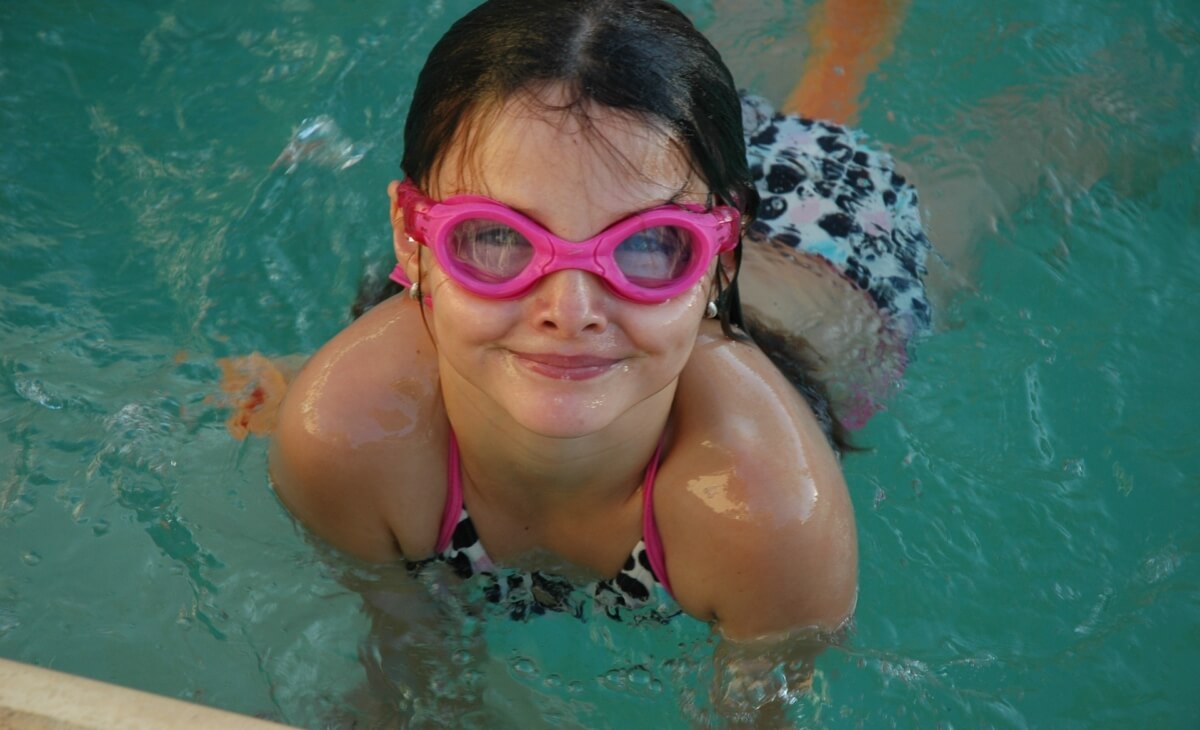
x,y
710,311
414,291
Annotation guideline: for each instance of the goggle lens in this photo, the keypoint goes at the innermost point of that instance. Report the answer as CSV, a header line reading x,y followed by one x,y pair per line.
x,y
489,251
656,257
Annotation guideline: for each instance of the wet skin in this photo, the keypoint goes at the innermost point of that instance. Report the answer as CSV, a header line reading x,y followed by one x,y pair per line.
x,y
558,399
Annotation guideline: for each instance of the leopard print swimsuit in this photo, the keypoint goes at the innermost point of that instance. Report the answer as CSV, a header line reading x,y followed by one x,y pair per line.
x,y
641,582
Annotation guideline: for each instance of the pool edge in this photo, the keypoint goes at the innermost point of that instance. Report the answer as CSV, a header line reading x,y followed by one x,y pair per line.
x,y
35,698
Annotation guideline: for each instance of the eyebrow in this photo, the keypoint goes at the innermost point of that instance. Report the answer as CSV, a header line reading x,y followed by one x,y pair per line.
x,y
673,199
531,214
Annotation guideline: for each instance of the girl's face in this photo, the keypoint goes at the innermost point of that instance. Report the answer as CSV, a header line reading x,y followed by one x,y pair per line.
x,y
568,358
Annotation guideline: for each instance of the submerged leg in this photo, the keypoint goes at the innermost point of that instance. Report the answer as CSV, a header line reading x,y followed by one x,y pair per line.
x,y
849,39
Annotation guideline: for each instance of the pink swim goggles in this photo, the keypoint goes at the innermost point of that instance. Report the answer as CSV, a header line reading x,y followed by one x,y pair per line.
x,y
493,251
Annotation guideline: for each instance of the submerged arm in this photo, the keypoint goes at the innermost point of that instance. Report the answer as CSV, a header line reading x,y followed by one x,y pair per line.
x,y
758,528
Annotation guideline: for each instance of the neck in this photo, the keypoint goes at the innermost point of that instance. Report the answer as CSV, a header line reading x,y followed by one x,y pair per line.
x,y
519,471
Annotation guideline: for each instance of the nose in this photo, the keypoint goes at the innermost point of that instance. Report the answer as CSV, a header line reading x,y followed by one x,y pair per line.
x,y
570,303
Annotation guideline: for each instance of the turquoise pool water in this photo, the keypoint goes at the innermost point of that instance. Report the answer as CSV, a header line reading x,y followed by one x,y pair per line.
x,y
1028,511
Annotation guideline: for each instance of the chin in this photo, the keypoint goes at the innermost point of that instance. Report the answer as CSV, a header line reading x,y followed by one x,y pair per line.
x,y
563,418
578,412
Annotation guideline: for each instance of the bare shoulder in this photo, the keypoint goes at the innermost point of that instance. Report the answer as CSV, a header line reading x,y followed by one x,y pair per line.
x,y
356,445
755,517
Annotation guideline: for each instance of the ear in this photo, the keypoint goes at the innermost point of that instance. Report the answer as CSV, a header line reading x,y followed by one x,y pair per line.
x,y
406,249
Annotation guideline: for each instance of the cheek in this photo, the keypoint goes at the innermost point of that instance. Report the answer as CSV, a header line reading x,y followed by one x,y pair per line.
x,y
459,319
686,311
674,325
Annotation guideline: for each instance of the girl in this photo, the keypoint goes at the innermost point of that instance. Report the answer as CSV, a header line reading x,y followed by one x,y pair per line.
x,y
570,401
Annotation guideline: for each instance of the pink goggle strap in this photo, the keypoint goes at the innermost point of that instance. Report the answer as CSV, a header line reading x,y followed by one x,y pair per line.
x,y
400,277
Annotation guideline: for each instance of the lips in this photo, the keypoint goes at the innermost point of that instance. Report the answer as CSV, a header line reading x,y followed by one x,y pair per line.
x,y
566,367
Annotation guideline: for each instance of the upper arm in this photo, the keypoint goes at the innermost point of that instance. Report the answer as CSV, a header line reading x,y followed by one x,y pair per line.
x,y
786,560
354,454
758,526
787,573
314,480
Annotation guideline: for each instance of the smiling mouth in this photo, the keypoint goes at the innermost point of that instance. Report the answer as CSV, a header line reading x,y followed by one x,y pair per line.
x,y
566,367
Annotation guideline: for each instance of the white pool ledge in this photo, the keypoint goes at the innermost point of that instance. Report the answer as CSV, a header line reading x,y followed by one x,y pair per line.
x,y
32,698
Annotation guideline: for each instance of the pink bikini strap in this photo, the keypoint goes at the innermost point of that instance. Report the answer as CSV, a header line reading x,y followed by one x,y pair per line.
x,y
454,497
650,535
654,547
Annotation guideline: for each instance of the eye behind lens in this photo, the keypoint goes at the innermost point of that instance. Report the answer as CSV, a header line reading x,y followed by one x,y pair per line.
x,y
489,250
656,257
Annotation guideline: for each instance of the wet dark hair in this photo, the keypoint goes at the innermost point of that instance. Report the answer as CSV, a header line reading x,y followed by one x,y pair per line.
x,y
641,57
644,58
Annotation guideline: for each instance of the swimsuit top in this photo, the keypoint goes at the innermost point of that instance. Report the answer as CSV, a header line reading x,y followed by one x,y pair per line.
x,y
534,592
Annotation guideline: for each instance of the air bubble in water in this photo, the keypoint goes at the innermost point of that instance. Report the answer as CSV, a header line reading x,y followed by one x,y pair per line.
x,y
639,677
613,679
470,679
524,666
8,622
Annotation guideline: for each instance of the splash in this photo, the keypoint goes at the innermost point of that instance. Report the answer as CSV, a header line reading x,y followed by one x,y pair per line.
x,y
319,140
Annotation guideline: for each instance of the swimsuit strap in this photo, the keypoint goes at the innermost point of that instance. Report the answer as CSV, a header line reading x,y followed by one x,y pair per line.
x,y
650,535
454,496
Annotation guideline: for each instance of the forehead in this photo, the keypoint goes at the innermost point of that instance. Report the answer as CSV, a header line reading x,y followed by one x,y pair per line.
x,y
537,149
